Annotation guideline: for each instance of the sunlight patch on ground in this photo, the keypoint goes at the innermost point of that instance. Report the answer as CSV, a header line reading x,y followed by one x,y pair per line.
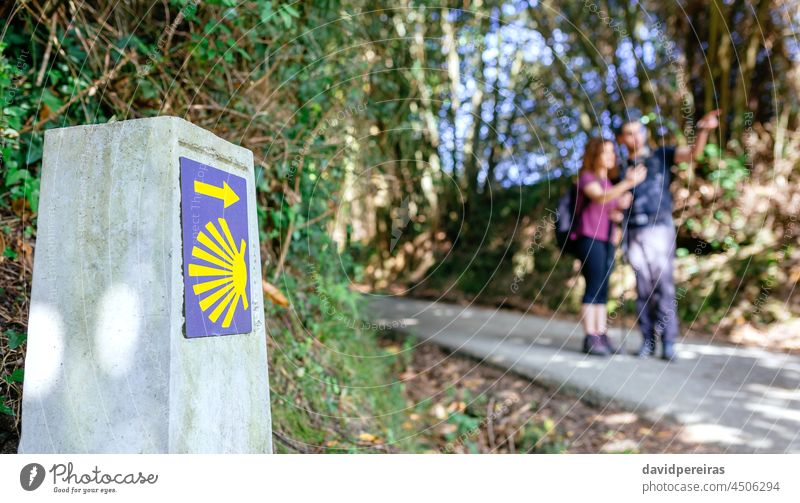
x,y
706,432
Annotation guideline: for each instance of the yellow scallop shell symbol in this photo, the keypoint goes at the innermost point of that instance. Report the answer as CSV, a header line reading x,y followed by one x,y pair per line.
x,y
230,272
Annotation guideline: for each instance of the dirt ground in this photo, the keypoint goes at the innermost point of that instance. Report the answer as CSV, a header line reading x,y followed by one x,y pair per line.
x,y
464,406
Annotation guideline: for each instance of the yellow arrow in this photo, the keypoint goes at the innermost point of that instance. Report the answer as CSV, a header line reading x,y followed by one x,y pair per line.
x,y
224,193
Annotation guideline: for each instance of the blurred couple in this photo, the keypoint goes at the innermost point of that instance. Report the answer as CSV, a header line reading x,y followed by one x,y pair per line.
x,y
630,202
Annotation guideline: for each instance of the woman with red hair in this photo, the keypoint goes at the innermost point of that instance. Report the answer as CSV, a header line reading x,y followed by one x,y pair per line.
x,y
600,202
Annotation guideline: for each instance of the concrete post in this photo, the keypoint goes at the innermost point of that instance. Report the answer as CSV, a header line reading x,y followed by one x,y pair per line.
x,y
146,330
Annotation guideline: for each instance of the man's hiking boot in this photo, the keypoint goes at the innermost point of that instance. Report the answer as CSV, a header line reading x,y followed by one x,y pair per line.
x,y
669,352
647,349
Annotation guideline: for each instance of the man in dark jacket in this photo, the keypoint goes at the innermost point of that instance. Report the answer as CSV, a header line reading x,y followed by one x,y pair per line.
x,y
650,233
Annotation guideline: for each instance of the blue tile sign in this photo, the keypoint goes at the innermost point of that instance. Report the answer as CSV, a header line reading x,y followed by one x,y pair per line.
x,y
215,251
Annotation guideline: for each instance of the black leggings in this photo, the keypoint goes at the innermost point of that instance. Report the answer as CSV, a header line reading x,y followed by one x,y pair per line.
x,y
597,260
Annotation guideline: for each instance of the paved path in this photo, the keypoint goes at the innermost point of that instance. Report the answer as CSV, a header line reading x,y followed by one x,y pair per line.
x,y
747,400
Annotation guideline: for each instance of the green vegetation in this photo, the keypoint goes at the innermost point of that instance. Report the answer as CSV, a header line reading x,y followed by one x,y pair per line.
x,y
256,74
331,383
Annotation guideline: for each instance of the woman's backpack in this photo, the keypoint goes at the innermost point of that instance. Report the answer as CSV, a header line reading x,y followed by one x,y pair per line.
x,y
567,215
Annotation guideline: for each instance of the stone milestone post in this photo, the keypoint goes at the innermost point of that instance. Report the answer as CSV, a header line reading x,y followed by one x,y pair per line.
x,y
146,330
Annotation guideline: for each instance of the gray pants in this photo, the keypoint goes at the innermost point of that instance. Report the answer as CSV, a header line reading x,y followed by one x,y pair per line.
x,y
650,250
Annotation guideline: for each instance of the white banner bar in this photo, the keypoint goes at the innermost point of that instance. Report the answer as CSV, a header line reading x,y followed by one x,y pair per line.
x,y
401,478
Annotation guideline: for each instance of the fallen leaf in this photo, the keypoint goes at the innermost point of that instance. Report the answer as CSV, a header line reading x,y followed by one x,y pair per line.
x,y
620,418
27,254
44,112
273,294
456,406
20,206
439,411
473,382
408,374
447,429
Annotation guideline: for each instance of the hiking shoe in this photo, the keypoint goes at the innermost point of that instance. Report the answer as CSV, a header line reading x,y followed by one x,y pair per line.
x,y
593,345
614,350
668,352
647,349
